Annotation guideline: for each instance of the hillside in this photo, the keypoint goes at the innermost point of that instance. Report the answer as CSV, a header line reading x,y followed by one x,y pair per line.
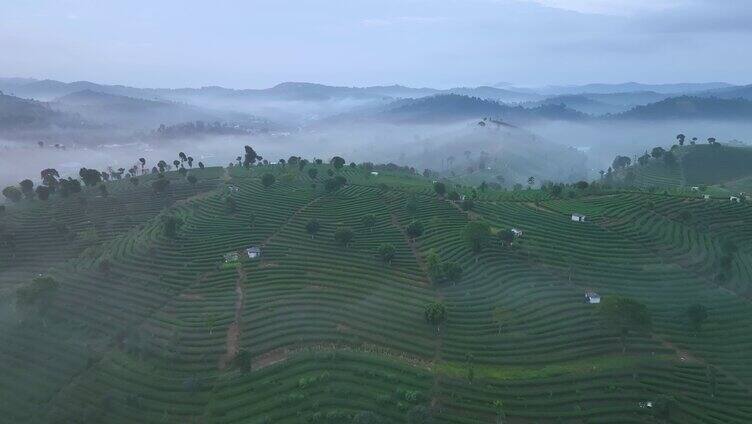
x,y
686,107
149,324
455,107
116,110
703,165
21,114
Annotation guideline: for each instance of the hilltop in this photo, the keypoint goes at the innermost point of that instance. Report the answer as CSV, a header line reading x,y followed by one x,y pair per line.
x,y
378,294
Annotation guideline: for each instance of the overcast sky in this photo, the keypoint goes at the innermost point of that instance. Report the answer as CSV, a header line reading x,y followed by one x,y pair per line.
x,y
258,43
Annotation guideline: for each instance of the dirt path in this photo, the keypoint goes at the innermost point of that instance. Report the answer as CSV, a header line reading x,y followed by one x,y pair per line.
x,y
233,331
290,219
413,248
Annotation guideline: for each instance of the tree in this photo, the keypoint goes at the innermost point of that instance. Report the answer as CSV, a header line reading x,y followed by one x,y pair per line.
x,y
343,235
414,229
387,252
582,185
43,192
49,178
499,408
669,159
557,189
312,173
337,162
644,159
37,296
467,204
182,157
368,221
103,190
200,165
453,196
312,227
435,314
711,140
506,237
134,181
243,360
267,180
143,163
697,315
531,181
13,194
439,188
192,181
625,315
662,407
452,271
90,177
476,234
657,152
621,162
411,204
681,138
171,225
160,185
27,188
176,163
231,205
250,157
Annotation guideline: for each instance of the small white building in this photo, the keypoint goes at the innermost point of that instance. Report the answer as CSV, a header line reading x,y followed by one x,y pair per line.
x,y
230,257
233,188
576,217
706,196
517,232
734,199
592,298
695,188
374,173
645,404
253,252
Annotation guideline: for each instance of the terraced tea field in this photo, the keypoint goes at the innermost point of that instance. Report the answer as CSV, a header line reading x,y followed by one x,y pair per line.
x,y
318,330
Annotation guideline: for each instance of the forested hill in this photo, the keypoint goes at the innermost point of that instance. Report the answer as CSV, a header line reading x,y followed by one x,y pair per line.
x,y
22,114
686,107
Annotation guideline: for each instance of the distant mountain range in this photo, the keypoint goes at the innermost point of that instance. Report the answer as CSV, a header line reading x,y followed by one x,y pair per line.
x,y
297,102
631,87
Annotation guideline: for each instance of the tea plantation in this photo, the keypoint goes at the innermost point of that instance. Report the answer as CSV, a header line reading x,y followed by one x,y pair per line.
x,y
148,321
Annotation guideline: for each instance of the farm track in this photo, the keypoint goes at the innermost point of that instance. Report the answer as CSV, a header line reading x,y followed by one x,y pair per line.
x,y
233,332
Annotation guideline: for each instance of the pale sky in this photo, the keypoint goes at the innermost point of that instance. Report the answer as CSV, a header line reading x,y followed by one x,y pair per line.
x,y
440,43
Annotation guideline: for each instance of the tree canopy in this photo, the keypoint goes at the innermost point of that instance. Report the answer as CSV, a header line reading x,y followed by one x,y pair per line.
x,y
477,235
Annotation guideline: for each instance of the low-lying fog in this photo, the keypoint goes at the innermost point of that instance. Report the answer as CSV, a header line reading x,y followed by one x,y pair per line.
x,y
415,145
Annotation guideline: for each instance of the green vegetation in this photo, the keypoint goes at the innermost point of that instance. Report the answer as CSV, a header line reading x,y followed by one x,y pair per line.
x,y
373,300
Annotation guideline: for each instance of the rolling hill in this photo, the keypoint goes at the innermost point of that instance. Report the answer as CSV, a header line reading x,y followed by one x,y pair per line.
x,y
18,114
146,322
129,112
686,107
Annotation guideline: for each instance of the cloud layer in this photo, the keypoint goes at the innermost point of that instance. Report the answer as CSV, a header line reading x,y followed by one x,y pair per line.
x,y
416,42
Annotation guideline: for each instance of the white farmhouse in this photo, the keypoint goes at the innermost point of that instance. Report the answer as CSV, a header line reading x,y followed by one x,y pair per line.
x,y
374,173
517,232
592,298
734,199
706,196
253,252
576,217
695,188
